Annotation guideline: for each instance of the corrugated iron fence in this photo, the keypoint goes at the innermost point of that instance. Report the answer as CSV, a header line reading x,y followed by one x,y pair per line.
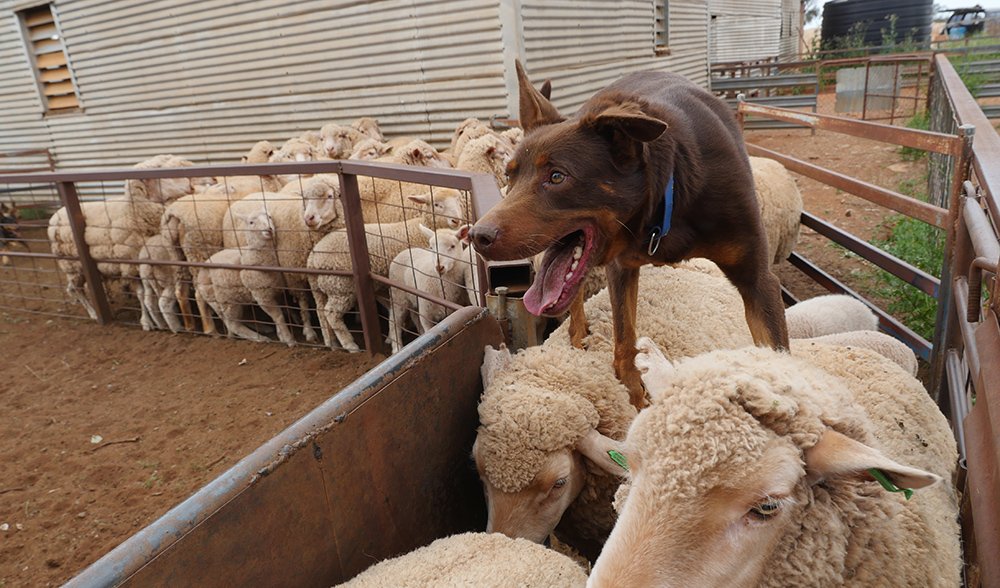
x,y
266,250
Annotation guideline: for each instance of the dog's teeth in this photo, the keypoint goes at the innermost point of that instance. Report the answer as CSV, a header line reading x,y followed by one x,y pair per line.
x,y
574,266
569,276
577,252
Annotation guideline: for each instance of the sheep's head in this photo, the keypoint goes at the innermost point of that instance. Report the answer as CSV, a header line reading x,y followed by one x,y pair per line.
x,y
442,208
367,125
489,153
538,448
258,226
723,468
420,153
313,138
338,140
447,245
294,150
514,135
321,206
161,190
261,152
370,149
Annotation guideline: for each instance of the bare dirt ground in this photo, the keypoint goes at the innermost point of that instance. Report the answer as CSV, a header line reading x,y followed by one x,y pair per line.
x,y
180,409
174,410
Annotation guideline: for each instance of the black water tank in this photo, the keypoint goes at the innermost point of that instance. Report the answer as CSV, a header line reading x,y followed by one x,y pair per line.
x,y
913,15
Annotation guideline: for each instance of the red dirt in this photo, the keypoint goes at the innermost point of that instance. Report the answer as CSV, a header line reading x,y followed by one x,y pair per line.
x,y
179,410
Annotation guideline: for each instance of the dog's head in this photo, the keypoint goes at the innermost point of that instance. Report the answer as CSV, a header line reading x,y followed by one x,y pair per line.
x,y
573,185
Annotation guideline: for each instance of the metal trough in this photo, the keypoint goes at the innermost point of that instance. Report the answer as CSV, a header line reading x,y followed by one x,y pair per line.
x,y
380,468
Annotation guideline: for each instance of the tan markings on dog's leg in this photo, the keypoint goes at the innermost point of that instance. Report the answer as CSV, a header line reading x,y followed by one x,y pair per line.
x,y
766,314
623,287
577,321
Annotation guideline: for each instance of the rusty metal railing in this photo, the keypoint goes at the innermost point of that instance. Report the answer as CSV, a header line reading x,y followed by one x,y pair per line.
x,y
481,189
954,146
968,371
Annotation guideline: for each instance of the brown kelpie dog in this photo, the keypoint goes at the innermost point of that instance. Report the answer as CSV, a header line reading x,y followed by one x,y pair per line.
x,y
651,169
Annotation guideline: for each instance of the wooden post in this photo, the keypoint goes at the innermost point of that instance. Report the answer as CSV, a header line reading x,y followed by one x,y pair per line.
x,y
364,286
67,192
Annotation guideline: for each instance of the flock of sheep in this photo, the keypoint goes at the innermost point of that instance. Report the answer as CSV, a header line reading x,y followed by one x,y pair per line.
x,y
750,468
413,232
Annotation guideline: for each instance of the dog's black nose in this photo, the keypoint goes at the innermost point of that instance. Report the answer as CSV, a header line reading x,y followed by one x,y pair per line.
x,y
483,236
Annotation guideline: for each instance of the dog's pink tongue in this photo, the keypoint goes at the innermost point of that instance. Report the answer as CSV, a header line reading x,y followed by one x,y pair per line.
x,y
549,282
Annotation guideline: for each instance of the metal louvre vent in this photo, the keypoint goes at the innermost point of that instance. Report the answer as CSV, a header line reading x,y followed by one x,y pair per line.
x,y
661,30
45,48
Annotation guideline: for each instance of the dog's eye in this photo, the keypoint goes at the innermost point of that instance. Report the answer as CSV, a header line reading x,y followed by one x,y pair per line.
x,y
557,177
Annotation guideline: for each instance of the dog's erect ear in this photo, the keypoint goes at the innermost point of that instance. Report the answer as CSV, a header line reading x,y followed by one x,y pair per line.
x,y
546,89
536,110
630,120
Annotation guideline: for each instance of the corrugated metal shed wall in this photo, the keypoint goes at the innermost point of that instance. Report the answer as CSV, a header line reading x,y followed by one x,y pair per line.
x,y
791,14
583,46
745,30
207,79
21,125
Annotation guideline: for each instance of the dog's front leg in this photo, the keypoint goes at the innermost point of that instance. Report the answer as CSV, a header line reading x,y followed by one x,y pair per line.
x,y
577,321
623,287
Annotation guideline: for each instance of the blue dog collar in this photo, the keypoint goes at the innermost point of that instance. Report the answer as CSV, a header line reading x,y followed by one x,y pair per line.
x,y
660,231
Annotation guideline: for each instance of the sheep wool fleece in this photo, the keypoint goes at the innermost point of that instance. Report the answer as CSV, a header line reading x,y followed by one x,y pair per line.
x,y
483,560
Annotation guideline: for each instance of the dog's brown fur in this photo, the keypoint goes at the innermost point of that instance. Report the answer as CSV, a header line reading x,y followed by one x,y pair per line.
x,y
617,154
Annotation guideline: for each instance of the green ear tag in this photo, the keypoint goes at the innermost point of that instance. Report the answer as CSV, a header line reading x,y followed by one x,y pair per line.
x,y
883,479
619,459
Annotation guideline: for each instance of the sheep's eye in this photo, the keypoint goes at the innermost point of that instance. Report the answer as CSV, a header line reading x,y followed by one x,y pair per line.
x,y
559,483
557,177
765,509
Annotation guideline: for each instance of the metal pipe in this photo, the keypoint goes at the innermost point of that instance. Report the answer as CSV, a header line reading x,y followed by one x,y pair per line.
x,y
959,403
78,224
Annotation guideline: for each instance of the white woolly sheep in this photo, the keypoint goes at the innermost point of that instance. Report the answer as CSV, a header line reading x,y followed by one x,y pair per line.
x,y
460,130
754,468
825,315
434,271
335,295
889,347
338,140
473,131
370,149
514,135
300,222
382,200
261,152
118,227
483,560
489,155
367,125
157,284
223,289
673,300
780,206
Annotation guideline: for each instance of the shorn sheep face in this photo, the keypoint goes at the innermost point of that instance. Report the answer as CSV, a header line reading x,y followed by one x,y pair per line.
x,y
732,470
444,207
320,204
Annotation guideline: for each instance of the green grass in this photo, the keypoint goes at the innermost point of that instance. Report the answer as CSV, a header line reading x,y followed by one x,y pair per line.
x,y
921,245
920,121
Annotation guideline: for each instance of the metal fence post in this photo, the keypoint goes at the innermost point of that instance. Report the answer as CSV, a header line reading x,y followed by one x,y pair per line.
x,y
364,286
944,318
67,192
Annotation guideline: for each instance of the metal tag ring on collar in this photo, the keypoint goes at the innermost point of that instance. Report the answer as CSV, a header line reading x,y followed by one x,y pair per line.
x,y
654,241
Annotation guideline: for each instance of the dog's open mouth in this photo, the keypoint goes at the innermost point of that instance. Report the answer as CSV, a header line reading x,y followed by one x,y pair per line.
x,y
561,273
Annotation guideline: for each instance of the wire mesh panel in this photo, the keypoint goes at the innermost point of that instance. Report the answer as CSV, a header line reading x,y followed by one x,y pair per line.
x,y
259,252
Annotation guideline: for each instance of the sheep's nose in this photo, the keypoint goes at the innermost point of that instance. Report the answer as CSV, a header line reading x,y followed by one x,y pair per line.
x,y
311,220
440,269
483,237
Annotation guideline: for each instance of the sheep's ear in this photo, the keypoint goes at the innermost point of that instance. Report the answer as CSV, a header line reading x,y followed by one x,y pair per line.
x,y
427,232
420,198
604,452
536,110
417,153
462,233
491,150
838,455
654,368
494,362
